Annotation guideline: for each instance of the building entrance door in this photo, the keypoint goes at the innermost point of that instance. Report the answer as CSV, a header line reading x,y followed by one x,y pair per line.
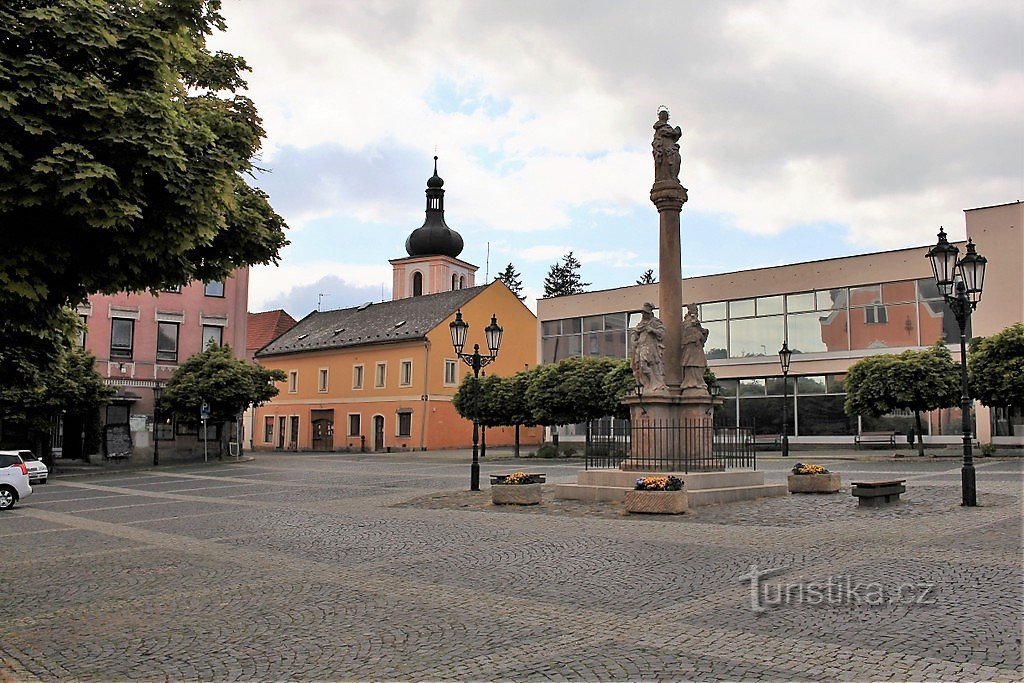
x,y
378,432
281,422
323,430
293,433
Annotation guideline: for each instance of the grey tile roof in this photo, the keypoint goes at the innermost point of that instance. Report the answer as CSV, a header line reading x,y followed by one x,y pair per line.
x,y
378,323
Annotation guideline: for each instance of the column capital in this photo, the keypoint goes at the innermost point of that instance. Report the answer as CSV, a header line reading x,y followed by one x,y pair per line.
x,y
668,195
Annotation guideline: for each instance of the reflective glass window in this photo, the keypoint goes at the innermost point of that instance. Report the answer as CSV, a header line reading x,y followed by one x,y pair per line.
x,y
755,336
605,344
769,305
927,289
937,323
805,332
830,299
550,328
572,326
834,384
764,415
741,308
725,415
898,292
615,321
562,347
729,387
716,346
863,296
752,387
798,303
823,416
715,310
835,330
773,386
814,384
593,323
880,326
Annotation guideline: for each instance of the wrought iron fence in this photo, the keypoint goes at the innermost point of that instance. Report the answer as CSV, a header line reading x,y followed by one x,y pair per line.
x,y
670,446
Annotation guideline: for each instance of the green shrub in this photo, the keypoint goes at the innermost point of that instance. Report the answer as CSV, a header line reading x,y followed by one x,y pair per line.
x,y
547,451
568,452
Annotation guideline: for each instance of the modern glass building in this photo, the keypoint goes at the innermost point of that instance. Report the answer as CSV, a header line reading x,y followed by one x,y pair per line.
x,y
831,313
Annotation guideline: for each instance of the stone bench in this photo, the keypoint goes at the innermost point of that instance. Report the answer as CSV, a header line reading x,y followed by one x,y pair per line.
x,y
875,437
767,440
877,493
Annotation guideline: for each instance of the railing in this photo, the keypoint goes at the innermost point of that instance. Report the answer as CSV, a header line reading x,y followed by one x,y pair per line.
x,y
671,446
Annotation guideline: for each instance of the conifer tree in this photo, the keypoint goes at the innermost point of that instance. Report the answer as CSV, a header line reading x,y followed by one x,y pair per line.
x,y
512,280
563,279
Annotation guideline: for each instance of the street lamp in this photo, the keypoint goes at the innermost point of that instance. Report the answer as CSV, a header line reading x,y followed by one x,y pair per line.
x,y
961,280
492,333
157,392
785,355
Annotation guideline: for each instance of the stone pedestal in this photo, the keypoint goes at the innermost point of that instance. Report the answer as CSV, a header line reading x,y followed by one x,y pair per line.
x,y
515,494
814,483
656,502
669,430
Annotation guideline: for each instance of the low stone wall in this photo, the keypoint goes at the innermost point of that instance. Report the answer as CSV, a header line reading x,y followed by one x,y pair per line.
x,y
515,494
814,483
656,502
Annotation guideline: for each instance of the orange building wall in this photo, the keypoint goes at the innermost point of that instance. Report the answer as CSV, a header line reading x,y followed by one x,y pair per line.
x,y
434,424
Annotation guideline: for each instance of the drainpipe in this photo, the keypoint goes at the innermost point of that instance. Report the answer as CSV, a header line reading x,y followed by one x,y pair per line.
x,y
425,397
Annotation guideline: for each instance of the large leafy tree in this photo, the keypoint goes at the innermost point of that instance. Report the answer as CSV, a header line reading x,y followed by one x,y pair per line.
x,y
913,380
215,377
512,280
564,278
123,146
575,390
997,367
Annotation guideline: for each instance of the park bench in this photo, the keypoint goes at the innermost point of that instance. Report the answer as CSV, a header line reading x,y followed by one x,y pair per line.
x,y
875,437
538,477
877,493
774,440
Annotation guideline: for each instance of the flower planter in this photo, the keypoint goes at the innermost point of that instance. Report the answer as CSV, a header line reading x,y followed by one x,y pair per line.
x,y
814,483
515,494
656,502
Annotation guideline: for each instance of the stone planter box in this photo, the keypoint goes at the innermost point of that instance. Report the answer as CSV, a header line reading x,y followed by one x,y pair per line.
x,y
515,494
814,483
656,502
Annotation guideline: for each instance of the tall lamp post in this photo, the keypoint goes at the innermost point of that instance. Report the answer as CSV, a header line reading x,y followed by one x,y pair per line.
x,y
459,329
961,280
157,392
785,355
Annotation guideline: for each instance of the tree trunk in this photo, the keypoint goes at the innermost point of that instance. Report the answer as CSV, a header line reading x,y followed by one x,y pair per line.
x,y
920,438
517,441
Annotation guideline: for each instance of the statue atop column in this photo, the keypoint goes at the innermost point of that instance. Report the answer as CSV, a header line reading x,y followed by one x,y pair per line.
x,y
648,344
694,361
665,148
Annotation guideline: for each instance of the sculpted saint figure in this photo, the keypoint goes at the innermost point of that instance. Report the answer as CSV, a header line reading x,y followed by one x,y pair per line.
x,y
694,361
648,351
665,149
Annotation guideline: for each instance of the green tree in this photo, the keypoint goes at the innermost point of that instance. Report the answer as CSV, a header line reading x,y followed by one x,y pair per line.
x,y
512,280
481,398
564,279
227,384
123,146
997,367
913,380
573,390
647,278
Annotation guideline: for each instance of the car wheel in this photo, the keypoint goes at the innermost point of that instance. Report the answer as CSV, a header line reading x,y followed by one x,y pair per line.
x,y
8,497
42,481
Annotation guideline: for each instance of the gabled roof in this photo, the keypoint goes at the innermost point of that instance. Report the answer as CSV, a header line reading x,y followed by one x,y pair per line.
x,y
263,328
387,322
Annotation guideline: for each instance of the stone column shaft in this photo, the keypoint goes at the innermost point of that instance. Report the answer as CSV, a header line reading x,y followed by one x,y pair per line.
x,y
669,199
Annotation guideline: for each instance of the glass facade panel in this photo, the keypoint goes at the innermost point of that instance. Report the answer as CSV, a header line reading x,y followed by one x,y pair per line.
x,y
755,337
769,305
899,423
717,344
593,323
572,325
773,386
834,330
729,387
938,323
863,296
830,299
834,384
798,303
713,311
752,387
764,415
927,289
615,321
605,344
725,416
805,332
741,308
880,326
810,385
559,348
549,328
899,292
824,416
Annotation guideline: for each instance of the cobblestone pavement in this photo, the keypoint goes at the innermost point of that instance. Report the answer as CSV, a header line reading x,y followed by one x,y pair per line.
x,y
339,567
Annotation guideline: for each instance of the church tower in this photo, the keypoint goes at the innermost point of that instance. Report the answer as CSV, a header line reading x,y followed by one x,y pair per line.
x,y
432,265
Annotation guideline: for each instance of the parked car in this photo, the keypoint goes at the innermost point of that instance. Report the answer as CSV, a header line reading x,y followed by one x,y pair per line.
x,y
37,472
14,484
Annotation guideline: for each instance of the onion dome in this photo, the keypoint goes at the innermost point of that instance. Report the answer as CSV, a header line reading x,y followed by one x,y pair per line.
x,y
434,237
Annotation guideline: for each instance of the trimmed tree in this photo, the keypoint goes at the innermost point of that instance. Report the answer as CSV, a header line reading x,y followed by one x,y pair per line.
x,y
914,380
564,279
123,146
215,377
997,368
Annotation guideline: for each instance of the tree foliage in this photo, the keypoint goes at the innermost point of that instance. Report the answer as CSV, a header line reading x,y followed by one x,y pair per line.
x,y
123,145
997,367
647,278
564,279
913,380
576,390
70,384
229,385
512,280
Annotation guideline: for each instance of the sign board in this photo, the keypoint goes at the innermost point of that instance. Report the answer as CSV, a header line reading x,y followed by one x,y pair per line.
x,y
204,411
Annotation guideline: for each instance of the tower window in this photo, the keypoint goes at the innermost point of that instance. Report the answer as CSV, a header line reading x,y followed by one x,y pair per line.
x,y
455,282
417,284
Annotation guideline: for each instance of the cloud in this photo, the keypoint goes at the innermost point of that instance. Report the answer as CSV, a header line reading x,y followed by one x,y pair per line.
x,y
295,287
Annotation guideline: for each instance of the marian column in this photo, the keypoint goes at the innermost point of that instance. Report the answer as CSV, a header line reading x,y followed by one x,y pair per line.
x,y
668,196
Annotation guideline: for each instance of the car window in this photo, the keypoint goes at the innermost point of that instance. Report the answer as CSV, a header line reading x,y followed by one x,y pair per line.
x,y
27,455
8,460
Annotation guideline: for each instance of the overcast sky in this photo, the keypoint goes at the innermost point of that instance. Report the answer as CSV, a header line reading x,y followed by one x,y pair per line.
x,y
810,130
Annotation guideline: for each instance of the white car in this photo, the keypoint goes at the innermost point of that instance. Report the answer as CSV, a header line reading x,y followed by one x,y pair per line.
x,y
37,472
14,484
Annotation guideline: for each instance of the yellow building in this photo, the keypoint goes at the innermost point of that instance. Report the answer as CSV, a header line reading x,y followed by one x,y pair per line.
x,y
381,376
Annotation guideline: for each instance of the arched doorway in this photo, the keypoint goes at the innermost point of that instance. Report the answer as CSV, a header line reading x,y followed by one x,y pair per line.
x,y
378,432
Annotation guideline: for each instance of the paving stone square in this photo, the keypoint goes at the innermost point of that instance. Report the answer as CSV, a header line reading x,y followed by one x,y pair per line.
x,y
339,567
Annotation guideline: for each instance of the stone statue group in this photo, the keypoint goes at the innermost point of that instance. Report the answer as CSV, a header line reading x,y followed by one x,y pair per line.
x,y
648,341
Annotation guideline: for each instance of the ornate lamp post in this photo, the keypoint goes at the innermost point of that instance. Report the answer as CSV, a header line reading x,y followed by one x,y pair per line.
x,y
492,334
961,280
785,355
157,392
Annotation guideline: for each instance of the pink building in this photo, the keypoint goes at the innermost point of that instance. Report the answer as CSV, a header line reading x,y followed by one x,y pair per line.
x,y
139,340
